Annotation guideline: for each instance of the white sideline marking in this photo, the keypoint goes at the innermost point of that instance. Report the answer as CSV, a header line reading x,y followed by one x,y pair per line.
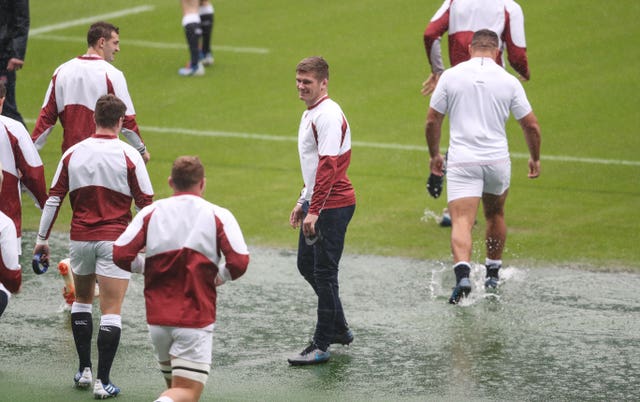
x,y
90,20
363,144
160,45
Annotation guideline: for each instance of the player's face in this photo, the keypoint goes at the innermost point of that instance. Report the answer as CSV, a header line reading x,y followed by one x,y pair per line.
x,y
310,89
111,47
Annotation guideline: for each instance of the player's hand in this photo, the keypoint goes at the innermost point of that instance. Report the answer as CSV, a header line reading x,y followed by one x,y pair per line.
x,y
14,64
309,225
534,169
40,262
295,219
146,156
430,84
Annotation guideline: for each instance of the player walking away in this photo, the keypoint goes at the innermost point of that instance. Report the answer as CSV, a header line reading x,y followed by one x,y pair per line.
x,y
325,207
478,95
22,166
14,32
183,236
192,26
10,273
76,86
102,176
462,18
207,14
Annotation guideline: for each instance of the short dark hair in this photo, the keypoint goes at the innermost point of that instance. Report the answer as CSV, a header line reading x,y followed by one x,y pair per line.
x,y
109,109
3,90
100,29
485,39
186,172
316,65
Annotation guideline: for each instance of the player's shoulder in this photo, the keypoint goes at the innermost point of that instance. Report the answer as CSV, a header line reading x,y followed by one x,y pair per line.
x,y
7,225
14,126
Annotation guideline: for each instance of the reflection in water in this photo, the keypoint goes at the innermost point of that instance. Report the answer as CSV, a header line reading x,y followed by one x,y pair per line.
x,y
548,333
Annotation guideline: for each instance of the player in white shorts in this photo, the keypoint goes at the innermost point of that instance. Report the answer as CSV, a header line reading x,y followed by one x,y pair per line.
x,y
184,237
102,176
478,95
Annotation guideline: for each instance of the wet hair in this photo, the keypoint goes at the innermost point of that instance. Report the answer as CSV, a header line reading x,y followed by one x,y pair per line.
x,y
186,172
485,39
3,90
109,109
99,30
316,65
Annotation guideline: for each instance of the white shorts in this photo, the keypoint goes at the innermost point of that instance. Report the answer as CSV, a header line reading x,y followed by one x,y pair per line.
x,y
88,257
474,180
192,344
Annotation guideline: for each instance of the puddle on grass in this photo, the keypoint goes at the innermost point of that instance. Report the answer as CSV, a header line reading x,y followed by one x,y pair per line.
x,y
548,333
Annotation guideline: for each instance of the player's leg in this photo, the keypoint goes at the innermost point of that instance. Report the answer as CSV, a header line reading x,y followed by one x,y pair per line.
x,y
113,287
4,299
207,19
82,260
190,356
306,255
332,226
494,197
193,33
464,188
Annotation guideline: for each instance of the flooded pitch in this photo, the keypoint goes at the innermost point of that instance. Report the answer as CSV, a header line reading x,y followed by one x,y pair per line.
x,y
547,334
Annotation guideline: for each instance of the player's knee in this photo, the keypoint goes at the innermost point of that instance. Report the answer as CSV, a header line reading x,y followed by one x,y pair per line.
x,y
193,371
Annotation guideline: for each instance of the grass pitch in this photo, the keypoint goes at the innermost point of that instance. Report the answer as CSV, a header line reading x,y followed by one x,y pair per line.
x,y
242,117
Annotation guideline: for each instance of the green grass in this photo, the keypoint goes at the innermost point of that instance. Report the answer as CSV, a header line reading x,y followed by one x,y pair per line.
x,y
583,90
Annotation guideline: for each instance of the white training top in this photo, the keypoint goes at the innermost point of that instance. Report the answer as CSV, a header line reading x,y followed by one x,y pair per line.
x,y
10,273
478,95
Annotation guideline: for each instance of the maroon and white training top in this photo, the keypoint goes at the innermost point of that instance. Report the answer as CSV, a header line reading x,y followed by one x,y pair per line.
x,y
185,238
324,146
71,96
102,175
21,163
10,273
461,18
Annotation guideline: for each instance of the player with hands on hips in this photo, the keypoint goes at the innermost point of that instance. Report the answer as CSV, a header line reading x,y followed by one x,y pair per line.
x,y
184,236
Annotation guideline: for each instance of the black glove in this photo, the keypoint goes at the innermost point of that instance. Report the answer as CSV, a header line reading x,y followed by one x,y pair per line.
x,y
434,185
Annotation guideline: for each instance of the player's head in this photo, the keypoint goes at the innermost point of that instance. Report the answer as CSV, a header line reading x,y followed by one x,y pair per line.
x,y
100,30
187,174
104,38
485,39
315,65
109,111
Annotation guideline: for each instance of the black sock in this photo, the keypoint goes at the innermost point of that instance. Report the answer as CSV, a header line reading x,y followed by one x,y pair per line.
x,y
206,21
193,32
82,328
108,341
4,300
462,271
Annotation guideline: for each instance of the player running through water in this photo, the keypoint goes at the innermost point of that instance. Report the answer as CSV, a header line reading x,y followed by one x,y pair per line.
x,y
102,176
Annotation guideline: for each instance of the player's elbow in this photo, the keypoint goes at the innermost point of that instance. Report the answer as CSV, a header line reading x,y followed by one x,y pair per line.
x,y
237,266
